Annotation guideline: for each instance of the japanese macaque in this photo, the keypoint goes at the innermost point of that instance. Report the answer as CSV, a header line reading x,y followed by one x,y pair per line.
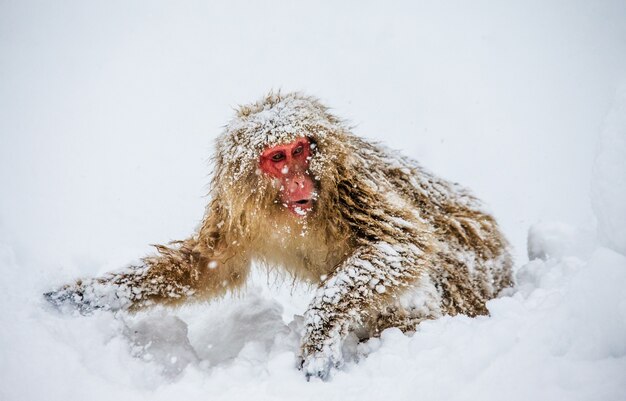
x,y
387,243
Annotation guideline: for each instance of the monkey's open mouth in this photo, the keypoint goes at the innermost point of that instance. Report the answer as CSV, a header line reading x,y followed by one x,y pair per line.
x,y
300,207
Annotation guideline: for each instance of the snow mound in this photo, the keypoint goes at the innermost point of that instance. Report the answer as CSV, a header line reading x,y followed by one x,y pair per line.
x,y
609,176
555,240
162,340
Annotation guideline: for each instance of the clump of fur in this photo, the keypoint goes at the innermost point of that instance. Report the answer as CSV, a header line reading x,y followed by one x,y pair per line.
x,y
387,243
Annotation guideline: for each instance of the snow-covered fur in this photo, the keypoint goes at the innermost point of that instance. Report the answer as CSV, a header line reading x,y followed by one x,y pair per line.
x,y
388,244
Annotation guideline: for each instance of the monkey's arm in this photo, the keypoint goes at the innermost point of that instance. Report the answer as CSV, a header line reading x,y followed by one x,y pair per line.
x,y
178,273
364,281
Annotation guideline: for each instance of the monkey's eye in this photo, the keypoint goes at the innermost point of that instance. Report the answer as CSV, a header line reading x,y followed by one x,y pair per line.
x,y
278,157
298,150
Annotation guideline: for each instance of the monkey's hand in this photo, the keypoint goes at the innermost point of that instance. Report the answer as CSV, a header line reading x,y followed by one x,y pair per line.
x,y
321,344
346,297
114,291
318,364
86,296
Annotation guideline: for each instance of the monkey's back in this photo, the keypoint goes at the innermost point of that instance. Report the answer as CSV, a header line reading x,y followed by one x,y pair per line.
x,y
472,263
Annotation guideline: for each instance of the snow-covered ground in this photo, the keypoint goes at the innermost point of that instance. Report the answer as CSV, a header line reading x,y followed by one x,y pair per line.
x,y
108,111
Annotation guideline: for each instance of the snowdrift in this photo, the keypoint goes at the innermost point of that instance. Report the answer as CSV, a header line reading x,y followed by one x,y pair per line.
x,y
558,335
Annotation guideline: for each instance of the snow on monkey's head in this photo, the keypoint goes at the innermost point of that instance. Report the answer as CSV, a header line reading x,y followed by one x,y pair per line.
x,y
273,146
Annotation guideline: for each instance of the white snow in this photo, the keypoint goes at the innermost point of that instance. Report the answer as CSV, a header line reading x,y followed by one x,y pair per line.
x,y
560,336
107,116
609,178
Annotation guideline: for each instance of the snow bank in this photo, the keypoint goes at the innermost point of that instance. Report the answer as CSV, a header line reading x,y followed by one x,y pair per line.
x,y
559,336
609,176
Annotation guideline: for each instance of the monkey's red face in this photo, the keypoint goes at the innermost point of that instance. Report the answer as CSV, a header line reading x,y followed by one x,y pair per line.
x,y
289,164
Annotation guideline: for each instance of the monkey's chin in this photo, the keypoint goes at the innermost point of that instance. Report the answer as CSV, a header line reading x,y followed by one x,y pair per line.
x,y
300,208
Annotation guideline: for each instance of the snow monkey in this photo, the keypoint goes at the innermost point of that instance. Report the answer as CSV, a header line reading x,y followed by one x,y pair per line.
x,y
386,243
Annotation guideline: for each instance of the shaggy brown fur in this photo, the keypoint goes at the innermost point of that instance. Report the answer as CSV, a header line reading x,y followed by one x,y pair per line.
x,y
388,243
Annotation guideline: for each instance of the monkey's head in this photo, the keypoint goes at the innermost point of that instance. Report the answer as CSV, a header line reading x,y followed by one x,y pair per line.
x,y
276,159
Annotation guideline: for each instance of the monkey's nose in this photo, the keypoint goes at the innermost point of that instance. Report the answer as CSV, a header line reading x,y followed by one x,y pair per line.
x,y
297,183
